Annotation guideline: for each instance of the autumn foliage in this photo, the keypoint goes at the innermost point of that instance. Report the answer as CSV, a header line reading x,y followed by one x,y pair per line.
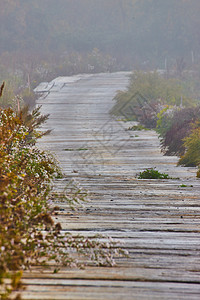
x,y
180,126
28,233
25,173
166,105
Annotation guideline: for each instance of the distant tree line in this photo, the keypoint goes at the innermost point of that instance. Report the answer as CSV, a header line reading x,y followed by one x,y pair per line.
x,y
142,31
42,39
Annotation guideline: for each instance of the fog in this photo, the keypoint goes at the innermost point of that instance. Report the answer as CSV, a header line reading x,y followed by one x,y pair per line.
x,y
126,34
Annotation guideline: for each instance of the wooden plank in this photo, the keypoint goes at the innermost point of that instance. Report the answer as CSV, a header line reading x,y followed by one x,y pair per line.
x,y
156,220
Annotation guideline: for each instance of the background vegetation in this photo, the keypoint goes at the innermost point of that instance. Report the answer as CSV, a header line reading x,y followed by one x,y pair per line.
x,y
169,104
146,30
42,39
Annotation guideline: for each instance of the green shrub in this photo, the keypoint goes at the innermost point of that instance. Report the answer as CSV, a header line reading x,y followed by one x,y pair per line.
x,y
165,119
146,95
138,127
152,174
191,158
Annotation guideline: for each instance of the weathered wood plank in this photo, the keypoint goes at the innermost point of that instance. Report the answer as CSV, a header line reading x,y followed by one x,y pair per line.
x,y
158,221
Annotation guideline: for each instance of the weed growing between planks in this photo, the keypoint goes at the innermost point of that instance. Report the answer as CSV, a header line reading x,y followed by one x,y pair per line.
x,y
28,234
138,127
152,173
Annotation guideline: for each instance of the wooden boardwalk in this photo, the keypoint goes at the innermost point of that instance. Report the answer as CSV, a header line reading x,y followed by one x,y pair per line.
x,y
158,221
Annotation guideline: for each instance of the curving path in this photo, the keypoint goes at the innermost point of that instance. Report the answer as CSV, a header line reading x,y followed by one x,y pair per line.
x,y
158,221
